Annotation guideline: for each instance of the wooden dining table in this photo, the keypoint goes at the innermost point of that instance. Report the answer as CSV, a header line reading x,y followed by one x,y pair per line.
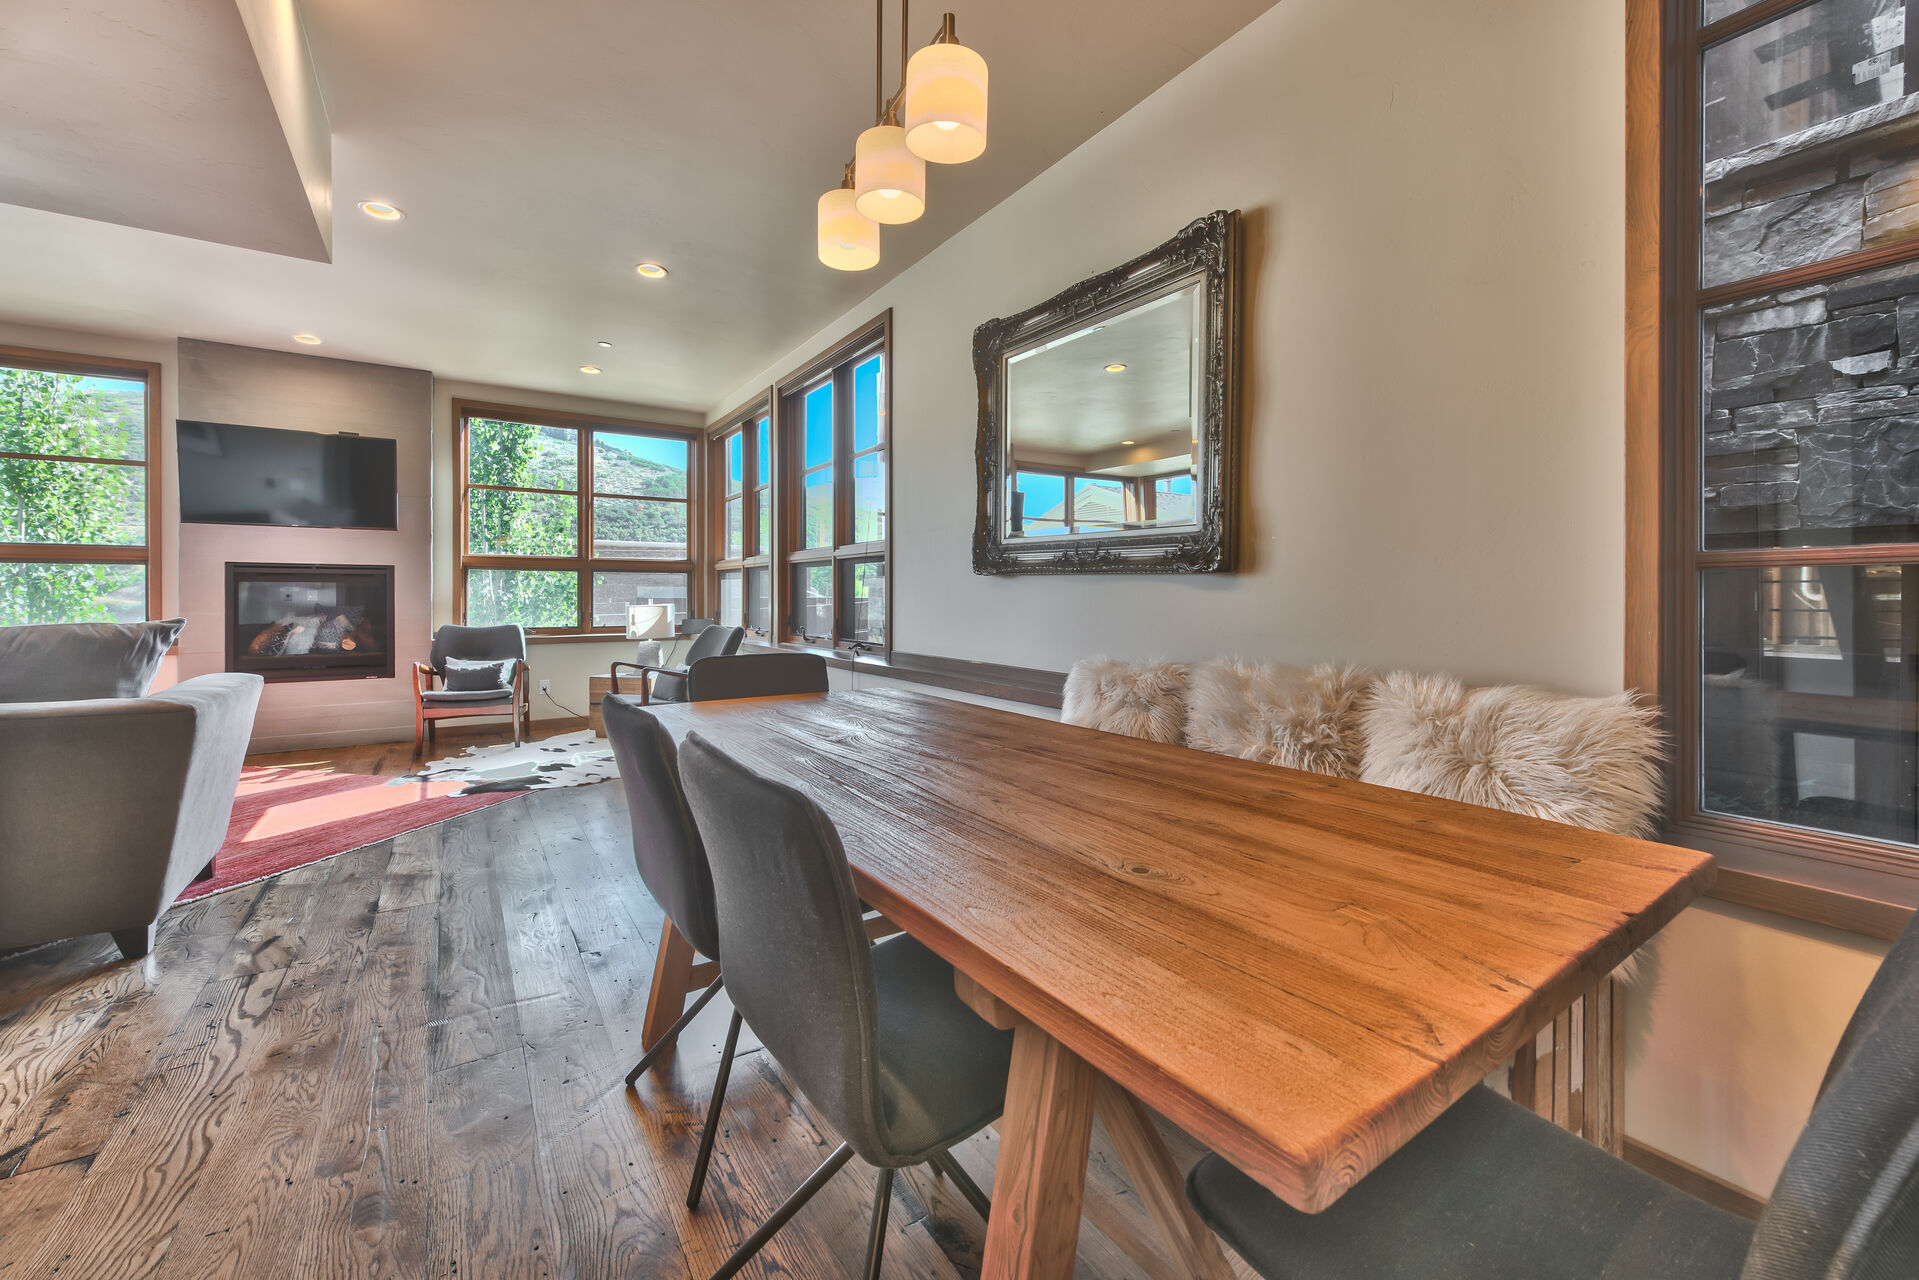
x,y
1300,971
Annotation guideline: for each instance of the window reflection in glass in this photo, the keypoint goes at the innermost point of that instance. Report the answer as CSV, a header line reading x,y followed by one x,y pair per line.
x,y
731,600
759,600
813,600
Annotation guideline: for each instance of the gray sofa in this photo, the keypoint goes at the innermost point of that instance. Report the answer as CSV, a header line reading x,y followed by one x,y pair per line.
x,y
109,805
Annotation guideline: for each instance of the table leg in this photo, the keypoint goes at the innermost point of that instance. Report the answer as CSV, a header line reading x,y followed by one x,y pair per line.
x,y
1157,1181
1039,1181
672,979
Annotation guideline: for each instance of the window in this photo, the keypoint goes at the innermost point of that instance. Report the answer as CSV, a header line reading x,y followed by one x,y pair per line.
x,y
833,425
1785,539
76,523
744,453
568,520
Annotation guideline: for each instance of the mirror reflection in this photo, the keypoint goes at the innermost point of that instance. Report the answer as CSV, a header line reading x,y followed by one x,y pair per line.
x,y
1103,422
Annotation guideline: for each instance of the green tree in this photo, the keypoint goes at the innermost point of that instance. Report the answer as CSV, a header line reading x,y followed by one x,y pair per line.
x,y
509,523
49,502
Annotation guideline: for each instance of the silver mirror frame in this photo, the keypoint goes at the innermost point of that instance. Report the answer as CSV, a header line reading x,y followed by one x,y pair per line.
x,y
1209,246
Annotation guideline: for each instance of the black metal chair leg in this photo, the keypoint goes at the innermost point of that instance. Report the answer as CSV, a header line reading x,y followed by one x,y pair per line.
x,y
665,1042
876,1235
946,1164
794,1203
713,1113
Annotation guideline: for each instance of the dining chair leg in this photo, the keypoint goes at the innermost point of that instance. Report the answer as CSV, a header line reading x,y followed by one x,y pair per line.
x,y
969,1190
876,1233
672,1033
794,1203
713,1112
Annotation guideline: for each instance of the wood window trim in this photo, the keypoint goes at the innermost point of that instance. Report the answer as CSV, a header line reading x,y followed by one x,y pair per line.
x,y
1857,885
582,563
147,555
749,413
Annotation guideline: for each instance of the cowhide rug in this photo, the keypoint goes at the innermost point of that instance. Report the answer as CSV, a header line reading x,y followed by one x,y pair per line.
x,y
564,760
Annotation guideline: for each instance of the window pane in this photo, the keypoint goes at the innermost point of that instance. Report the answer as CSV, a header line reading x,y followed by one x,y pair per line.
x,y
869,498
1811,78
504,522
1099,506
612,592
639,529
735,464
1811,432
869,400
819,510
78,415
730,602
867,582
645,466
759,600
763,500
763,433
1806,696
1173,499
530,597
735,529
1714,10
1037,505
72,502
813,600
519,453
71,593
819,425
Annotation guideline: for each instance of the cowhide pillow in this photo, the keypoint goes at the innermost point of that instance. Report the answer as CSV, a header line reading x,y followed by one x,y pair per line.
x,y
1280,715
1138,699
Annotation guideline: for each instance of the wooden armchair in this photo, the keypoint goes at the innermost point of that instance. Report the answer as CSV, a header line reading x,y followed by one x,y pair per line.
x,y
482,644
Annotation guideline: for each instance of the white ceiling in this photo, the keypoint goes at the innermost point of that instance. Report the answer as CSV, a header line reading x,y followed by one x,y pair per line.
x,y
541,150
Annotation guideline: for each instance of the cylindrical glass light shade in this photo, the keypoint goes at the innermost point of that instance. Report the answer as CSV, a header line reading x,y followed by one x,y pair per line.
x,y
945,107
849,240
888,180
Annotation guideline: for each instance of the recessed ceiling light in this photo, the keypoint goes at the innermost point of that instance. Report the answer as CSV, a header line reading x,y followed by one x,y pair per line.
x,y
589,368
382,210
651,270
307,338
1115,368
1129,442
604,345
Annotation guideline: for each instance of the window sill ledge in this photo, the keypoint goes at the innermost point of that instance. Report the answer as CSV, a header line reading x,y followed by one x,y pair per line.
x,y
987,680
583,637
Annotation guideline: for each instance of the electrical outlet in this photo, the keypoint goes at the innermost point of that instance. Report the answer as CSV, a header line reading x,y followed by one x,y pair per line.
x,y
546,688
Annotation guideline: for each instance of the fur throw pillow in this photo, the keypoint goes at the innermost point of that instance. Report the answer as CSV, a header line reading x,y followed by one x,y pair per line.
x,y
1589,762
1280,715
1138,699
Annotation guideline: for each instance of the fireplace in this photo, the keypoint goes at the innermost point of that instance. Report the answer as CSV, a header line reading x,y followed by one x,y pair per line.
x,y
310,621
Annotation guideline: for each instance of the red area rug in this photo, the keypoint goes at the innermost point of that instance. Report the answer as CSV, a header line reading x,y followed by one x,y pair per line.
x,y
286,817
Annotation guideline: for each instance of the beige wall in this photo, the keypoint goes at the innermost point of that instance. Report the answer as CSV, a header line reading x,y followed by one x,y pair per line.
x,y
1434,199
566,664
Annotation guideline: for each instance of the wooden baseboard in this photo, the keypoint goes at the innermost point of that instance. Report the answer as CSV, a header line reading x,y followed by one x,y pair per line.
x,y
1693,1180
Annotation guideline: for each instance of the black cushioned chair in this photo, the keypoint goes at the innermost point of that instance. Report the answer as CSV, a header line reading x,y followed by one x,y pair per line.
x,y
478,644
755,675
873,1034
668,684
672,862
1491,1191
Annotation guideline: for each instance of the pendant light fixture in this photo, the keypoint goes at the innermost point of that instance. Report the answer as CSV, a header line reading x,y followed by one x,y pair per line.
x,y
849,240
944,111
938,114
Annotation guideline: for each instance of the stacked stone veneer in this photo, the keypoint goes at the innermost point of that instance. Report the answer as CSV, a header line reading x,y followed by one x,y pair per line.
x,y
1811,423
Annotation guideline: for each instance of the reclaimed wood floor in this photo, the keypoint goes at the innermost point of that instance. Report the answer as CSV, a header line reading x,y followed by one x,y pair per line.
x,y
408,1061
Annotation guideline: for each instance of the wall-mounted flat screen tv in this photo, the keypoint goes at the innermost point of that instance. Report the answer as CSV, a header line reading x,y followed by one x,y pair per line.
x,y
260,475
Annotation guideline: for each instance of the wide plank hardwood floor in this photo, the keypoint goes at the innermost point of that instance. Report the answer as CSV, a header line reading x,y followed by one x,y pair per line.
x,y
409,1061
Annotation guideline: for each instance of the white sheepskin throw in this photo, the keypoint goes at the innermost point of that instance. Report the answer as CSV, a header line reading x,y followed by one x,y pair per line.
x,y
1138,699
1280,715
1589,762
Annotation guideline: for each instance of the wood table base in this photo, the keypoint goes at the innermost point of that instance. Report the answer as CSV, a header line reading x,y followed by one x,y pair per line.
x,y
672,979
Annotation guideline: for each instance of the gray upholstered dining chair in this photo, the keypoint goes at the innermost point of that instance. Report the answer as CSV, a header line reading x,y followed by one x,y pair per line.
x,y
873,1034
672,863
500,693
1491,1190
668,684
755,675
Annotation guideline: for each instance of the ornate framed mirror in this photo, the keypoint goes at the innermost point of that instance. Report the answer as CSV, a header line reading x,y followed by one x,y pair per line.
x,y
1107,418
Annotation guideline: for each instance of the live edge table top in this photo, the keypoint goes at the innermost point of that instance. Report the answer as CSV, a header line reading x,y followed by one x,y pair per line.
x,y
1301,971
